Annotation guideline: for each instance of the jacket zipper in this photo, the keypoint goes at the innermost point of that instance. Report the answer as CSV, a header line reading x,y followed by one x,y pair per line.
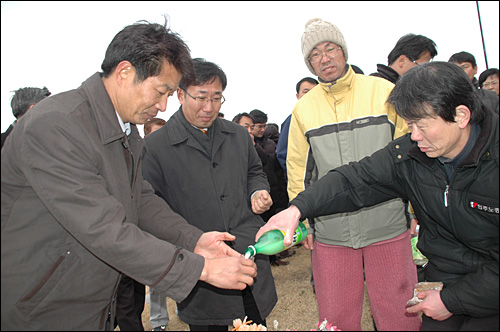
x,y
446,196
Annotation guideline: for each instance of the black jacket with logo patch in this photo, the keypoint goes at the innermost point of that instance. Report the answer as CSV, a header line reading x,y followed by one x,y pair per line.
x,y
459,218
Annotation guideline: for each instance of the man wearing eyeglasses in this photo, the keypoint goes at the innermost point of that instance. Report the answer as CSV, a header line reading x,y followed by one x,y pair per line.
x,y
209,172
342,120
411,50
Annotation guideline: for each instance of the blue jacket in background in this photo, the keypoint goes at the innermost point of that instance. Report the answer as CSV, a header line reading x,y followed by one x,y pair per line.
x,y
282,146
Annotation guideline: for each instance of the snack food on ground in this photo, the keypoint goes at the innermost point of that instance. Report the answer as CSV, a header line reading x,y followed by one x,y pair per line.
x,y
325,326
246,326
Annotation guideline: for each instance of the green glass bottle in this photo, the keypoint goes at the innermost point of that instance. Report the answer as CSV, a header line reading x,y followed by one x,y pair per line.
x,y
271,242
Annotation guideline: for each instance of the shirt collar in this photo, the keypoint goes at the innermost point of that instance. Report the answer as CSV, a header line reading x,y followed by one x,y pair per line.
x,y
125,126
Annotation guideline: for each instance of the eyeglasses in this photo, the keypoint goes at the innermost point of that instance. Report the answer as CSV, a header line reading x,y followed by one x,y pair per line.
x,y
204,100
486,85
414,61
330,52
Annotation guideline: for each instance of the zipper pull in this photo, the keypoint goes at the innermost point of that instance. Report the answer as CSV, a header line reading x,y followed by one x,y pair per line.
x,y
446,196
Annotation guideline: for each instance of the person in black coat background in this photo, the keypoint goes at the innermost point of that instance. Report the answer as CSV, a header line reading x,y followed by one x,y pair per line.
x,y
22,101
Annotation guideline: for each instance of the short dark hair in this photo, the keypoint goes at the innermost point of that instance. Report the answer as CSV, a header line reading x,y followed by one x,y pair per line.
x,y
435,86
487,73
153,121
412,46
205,72
463,57
24,98
147,45
238,117
258,116
305,79
272,128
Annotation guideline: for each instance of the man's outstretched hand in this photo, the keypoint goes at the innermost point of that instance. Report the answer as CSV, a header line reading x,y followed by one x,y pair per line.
x,y
212,245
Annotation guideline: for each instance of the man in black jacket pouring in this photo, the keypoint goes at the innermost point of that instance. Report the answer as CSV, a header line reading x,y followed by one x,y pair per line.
x,y
448,168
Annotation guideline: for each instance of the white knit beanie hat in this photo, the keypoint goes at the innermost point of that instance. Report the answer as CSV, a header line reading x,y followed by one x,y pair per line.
x,y
319,31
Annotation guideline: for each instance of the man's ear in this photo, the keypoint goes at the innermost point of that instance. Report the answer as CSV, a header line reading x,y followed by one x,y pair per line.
x,y
462,116
180,95
124,73
401,61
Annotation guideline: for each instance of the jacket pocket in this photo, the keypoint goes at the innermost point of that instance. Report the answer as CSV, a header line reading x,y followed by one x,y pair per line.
x,y
36,298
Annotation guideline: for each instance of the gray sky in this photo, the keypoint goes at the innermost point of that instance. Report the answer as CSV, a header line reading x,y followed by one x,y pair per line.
x,y
60,44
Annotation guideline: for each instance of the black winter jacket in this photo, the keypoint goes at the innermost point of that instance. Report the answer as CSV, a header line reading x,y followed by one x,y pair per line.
x,y
459,219
266,149
386,72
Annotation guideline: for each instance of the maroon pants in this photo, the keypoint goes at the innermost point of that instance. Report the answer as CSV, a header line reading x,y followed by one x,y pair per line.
x,y
390,279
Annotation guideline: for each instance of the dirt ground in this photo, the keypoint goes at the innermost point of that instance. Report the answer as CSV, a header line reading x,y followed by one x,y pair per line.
x,y
296,309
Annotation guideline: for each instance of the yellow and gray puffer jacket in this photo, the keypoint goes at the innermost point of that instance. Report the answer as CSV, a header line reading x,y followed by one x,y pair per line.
x,y
332,125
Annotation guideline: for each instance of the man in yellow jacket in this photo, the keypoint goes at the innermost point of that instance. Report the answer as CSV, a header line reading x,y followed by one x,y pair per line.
x,y
343,119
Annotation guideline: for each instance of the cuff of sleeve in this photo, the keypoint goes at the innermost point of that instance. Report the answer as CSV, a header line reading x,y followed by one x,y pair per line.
x,y
183,276
256,192
451,301
300,204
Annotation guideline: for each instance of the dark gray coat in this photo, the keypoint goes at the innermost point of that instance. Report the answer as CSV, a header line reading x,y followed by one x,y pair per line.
x,y
71,222
213,194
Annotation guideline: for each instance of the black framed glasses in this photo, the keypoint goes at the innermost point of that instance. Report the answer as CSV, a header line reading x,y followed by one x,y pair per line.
x,y
204,100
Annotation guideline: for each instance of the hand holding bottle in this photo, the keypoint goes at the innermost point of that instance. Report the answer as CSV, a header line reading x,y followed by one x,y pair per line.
x,y
271,242
287,221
